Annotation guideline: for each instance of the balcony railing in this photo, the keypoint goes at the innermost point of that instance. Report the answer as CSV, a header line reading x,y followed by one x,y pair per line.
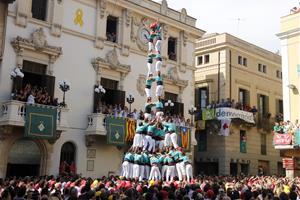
x,y
13,113
96,124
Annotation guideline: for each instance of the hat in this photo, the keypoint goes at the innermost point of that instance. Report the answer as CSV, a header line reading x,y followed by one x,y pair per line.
x,y
210,194
153,25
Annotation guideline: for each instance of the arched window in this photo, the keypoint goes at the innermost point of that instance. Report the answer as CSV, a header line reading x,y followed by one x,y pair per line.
x,y
67,153
67,159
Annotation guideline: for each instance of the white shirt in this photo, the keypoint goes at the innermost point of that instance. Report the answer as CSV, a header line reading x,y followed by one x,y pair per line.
x,y
30,99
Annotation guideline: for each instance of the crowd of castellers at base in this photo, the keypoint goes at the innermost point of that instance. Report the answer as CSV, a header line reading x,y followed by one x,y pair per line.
x,y
155,154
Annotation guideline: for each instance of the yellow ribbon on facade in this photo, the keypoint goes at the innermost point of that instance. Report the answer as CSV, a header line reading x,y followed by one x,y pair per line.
x,y
78,17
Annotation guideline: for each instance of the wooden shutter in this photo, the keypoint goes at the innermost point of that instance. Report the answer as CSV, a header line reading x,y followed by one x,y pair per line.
x,y
197,97
49,83
266,105
119,97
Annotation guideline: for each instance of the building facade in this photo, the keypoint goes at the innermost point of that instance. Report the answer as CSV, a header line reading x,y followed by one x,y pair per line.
x,y
290,49
229,68
88,43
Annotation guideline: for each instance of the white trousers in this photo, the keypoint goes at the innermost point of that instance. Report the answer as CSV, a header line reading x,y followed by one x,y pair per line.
x,y
179,171
142,172
150,69
150,46
147,171
189,172
158,46
164,171
154,173
158,65
138,140
167,141
159,90
136,171
149,143
148,93
173,137
159,144
170,173
130,170
126,169
182,168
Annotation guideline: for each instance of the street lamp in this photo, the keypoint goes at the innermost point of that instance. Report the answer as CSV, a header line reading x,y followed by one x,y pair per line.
x,y
130,100
64,86
192,111
169,104
100,90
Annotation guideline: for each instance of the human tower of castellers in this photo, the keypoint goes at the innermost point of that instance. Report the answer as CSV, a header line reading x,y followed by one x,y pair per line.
x,y
155,154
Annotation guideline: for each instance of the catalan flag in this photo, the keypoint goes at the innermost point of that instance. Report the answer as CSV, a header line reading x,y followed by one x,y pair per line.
x,y
130,129
184,137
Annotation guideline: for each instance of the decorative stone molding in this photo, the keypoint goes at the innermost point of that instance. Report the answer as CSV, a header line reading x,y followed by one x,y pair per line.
x,y
56,17
183,15
52,141
134,28
164,7
172,77
140,85
127,16
37,42
5,131
182,67
102,8
111,62
23,12
90,140
165,31
185,37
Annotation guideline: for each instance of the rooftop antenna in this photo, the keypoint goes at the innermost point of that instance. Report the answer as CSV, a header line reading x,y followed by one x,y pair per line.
x,y
238,20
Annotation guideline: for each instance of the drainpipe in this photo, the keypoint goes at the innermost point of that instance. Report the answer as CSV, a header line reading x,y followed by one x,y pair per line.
x,y
219,76
230,71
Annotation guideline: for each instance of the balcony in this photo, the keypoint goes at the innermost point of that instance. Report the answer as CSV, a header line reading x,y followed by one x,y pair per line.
x,y
13,113
287,140
96,124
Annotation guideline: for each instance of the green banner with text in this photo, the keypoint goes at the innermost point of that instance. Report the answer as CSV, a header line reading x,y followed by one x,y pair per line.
x,y
40,121
116,131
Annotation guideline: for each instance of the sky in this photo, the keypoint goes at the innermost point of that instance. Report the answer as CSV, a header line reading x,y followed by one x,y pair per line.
x,y
256,21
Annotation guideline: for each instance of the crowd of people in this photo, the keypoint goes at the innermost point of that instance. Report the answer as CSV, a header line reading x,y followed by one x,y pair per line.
x,y
33,94
230,103
119,111
284,127
114,187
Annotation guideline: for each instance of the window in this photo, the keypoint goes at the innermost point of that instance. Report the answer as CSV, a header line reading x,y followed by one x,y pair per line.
x,y
259,67
279,74
203,97
39,9
67,157
112,29
279,106
200,60
112,96
206,59
264,69
244,97
172,48
243,141
263,105
202,141
240,60
245,62
263,144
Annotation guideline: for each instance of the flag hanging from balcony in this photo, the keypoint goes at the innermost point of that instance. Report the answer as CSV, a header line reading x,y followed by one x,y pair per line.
x,y
208,114
116,131
184,137
225,127
40,121
130,129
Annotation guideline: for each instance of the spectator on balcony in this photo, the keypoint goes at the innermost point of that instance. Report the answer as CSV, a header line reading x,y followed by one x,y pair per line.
x,y
134,114
277,128
232,103
31,98
253,110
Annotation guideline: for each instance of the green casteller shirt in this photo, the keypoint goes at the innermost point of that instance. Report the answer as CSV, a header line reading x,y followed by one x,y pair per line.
x,y
159,105
151,129
148,107
276,128
149,83
129,157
